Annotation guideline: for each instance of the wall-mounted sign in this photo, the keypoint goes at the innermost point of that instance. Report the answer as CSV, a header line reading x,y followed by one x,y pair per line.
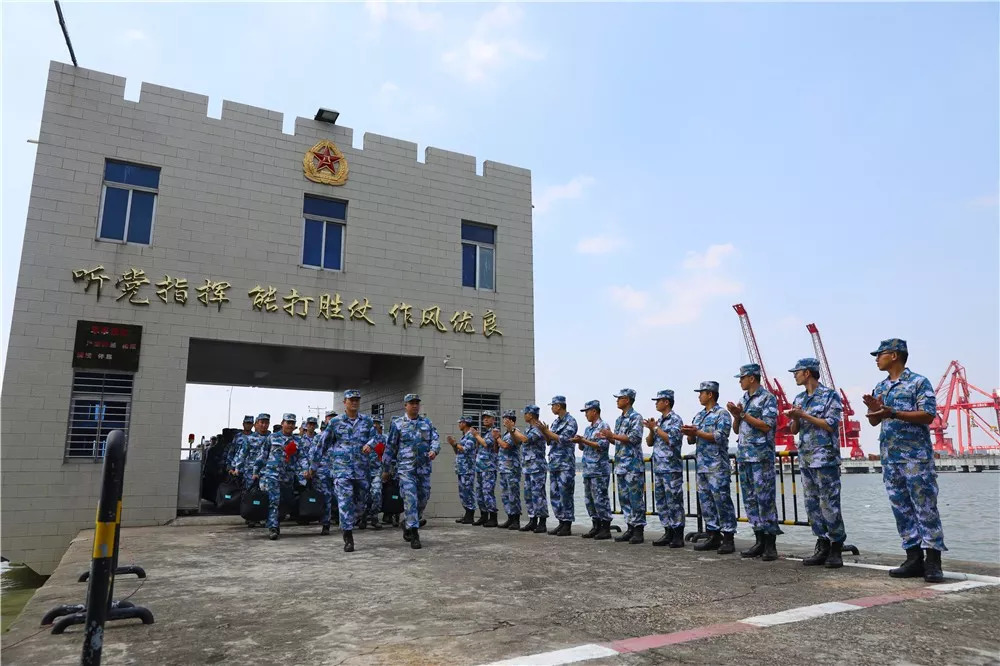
x,y
324,163
103,346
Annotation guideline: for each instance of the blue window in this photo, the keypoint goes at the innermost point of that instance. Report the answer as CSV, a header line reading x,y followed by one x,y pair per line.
x,y
323,233
478,256
128,203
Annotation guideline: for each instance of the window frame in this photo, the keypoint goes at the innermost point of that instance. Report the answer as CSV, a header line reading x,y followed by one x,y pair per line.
x,y
474,404
479,245
342,223
105,183
102,396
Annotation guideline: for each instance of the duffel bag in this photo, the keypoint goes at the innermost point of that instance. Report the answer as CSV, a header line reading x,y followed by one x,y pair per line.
x,y
254,505
228,496
310,504
392,500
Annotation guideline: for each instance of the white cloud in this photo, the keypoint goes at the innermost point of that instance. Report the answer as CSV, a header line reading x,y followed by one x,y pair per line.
x,y
409,14
491,45
791,323
388,88
683,298
402,109
135,35
601,244
553,193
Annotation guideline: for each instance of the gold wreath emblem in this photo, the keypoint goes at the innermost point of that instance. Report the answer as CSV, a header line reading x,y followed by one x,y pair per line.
x,y
324,163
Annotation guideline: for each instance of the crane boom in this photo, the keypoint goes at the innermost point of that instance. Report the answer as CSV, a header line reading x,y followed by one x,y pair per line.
x,y
850,430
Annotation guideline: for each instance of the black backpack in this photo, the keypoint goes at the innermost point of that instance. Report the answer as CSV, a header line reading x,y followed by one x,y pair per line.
x,y
392,500
228,496
254,505
310,504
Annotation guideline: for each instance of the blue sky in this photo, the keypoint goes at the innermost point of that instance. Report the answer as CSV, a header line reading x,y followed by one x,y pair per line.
x,y
835,163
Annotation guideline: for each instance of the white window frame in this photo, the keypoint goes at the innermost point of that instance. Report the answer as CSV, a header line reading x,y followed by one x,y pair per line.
x,y
479,245
128,212
343,242
101,396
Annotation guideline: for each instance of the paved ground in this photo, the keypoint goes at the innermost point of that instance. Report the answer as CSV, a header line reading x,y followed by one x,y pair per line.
x,y
224,594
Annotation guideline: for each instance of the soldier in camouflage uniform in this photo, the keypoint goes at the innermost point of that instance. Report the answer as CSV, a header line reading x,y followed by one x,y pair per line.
x,y
562,465
410,447
277,466
905,405
486,469
815,417
755,419
709,432
239,443
243,464
629,469
343,448
533,462
372,466
668,469
465,470
509,458
596,472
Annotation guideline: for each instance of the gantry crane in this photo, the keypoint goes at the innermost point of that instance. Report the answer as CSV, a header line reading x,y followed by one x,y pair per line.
x,y
957,398
850,430
784,440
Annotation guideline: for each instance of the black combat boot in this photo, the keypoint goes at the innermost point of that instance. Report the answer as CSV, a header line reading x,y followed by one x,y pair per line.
x,y
336,520
491,520
467,518
727,546
540,528
834,560
360,524
770,551
415,539
555,529
421,521
593,530
481,519
603,530
932,566
713,542
913,567
678,539
505,524
272,534
626,536
406,534
395,520
637,534
376,525
565,528
530,525
348,541
668,534
819,555
757,549
515,522
386,519
326,529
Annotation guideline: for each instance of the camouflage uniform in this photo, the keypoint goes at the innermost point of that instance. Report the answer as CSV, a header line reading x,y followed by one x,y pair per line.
x,y
236,448
373,467
668,469
712,465
340,464
277,466
596,469
486,473
407,448
819,458
533,462
245,460
562,465
908,459
756,457
509,460
629,466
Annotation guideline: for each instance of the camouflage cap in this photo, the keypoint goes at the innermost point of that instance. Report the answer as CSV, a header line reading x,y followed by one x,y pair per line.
x,y
263,416
288,416
890,345
352,393
707,386
248,418
490,412
467,420
377,419
665,394
626,393
411,397
748,369
313,420
531,409
331,412
591,404
806,364
558,400
510,414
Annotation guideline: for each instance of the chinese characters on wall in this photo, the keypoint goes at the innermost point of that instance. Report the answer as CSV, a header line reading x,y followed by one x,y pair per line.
x,y
133,283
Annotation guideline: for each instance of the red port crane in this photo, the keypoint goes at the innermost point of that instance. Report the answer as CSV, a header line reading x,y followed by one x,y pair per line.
x,y
784,440
850,429
955,397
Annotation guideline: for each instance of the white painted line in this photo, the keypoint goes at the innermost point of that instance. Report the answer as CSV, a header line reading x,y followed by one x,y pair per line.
x,y
799,614
556,657
957,587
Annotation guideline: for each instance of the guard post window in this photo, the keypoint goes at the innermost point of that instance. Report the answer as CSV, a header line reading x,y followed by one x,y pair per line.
x,y
100,402
323,234
474,404
478,251
128,202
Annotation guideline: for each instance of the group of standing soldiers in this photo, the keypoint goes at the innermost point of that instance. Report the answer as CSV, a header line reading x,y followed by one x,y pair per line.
x,y
903,403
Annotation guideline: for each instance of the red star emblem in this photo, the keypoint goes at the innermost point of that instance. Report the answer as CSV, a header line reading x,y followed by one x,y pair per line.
x,y
325,159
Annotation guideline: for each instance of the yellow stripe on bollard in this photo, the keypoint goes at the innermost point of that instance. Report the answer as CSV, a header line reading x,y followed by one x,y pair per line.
x,y
104,540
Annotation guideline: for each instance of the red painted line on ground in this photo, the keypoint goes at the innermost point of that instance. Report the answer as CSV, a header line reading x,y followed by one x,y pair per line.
x,y
660,640
882,599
